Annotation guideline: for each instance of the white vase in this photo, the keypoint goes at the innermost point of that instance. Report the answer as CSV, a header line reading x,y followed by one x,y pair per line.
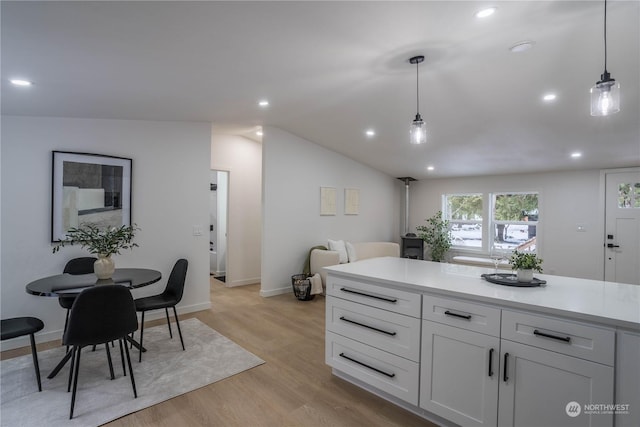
x,y
104,267
525,275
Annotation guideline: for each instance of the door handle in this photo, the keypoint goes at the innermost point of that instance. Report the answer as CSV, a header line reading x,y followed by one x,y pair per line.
x,y
611,245
506,369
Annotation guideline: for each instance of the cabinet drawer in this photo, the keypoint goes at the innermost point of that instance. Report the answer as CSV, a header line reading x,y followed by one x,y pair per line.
x,y
562,336
388,331
384,371
471,316
376,296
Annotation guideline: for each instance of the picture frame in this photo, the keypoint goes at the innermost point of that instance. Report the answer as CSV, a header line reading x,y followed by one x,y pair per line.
x,y
328,200
351,201
89,189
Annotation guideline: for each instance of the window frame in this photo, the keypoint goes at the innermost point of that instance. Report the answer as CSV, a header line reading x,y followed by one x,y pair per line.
x,y
488,221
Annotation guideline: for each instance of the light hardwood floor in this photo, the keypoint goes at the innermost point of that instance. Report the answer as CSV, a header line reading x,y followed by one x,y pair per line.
x,y
293,388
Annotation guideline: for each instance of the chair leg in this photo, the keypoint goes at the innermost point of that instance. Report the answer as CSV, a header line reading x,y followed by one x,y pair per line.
x,y
166,311
133,381
34,353
72,367
106,345
141,334
75,380
124,370
66,322
175,314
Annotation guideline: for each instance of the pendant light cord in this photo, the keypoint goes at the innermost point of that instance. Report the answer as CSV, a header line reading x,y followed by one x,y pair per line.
x,y
605,36
418,89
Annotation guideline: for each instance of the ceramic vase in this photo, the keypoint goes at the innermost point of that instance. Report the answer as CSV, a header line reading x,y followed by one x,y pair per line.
x,y
525,275
104,267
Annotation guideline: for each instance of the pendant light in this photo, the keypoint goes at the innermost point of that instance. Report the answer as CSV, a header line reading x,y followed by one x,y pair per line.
x,y
418,129
605,95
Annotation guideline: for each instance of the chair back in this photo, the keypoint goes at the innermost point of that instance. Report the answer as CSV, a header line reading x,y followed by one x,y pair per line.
x,y
100,314
175,284
82,265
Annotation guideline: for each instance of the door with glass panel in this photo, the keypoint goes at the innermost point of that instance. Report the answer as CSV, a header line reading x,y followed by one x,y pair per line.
x,y
622,227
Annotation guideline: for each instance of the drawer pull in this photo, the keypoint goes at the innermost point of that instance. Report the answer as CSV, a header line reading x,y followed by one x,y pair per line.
x,y
367,326
491,362
554,337
367,366
462,316
506,369
351,291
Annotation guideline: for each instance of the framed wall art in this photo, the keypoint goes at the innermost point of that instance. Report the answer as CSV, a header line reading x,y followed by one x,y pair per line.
x,y
351,201
328,196
89,189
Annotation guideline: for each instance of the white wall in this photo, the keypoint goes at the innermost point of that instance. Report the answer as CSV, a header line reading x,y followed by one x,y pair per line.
x,y
294,170
170,196
242,158
566,199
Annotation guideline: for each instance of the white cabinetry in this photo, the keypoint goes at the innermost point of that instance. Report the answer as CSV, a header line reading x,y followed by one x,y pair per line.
x,y
459,366
373,335
537,365
542,377
628,379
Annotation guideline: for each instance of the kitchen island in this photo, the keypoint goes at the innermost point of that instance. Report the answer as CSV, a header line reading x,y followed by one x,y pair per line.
x,y
442,342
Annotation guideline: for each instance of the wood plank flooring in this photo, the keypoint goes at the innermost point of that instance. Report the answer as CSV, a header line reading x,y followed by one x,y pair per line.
x,y
293,388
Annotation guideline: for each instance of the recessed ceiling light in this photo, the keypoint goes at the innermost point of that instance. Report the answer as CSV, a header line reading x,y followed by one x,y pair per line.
x,y
576,154
430,168
21,82
549,97
485,12
259,133
522,46
370,132
263,103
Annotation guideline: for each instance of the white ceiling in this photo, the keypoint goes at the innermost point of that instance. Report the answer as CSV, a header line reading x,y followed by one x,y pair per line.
x,y
333,69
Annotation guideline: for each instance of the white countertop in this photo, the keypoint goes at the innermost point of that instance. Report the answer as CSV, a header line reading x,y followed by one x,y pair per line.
x,y
608,303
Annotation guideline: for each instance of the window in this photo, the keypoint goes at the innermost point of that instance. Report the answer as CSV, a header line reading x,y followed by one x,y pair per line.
x,y
464,212
479,221
629,195
515,220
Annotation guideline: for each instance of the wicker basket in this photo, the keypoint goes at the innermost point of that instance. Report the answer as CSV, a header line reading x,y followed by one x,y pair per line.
x,y
302,287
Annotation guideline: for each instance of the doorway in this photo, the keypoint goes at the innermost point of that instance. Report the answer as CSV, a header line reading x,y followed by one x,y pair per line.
x,y
622,227
218,210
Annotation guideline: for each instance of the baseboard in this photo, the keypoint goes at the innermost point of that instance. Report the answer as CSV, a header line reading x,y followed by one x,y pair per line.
x,y
57,334
243,282
274,292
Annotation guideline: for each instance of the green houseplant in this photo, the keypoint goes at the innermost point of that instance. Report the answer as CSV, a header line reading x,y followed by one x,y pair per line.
x,y
436,235
102,242
525,263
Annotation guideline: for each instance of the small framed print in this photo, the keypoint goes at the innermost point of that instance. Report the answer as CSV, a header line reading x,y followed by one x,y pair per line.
x,y
328,196
351,201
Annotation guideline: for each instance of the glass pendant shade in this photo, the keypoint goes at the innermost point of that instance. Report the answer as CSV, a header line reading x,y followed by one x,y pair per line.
x,y
418,131
605,98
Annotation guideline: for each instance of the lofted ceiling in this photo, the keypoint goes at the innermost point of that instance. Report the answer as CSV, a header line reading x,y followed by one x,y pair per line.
x,y
332,70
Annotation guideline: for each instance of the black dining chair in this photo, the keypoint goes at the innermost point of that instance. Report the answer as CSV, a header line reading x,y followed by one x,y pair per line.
x,y
99,315
171,296
75,266
21,326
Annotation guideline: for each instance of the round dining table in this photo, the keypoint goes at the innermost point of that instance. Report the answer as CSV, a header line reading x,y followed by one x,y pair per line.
x,y
72,284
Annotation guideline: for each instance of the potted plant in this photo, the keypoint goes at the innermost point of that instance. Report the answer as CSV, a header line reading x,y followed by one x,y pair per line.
x,y
525,263
102,242
436,235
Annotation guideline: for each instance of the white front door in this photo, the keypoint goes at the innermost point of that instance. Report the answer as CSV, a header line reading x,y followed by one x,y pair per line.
x,y
622,227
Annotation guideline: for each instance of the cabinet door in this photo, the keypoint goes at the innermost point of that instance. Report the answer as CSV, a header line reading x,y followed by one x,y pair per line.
x,y
628,379
459,374
543,388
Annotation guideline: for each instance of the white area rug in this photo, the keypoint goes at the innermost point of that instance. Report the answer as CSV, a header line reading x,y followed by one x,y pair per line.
x,y
165,372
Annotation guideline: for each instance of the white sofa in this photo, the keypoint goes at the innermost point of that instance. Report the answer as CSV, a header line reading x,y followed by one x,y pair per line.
x,y
320,258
